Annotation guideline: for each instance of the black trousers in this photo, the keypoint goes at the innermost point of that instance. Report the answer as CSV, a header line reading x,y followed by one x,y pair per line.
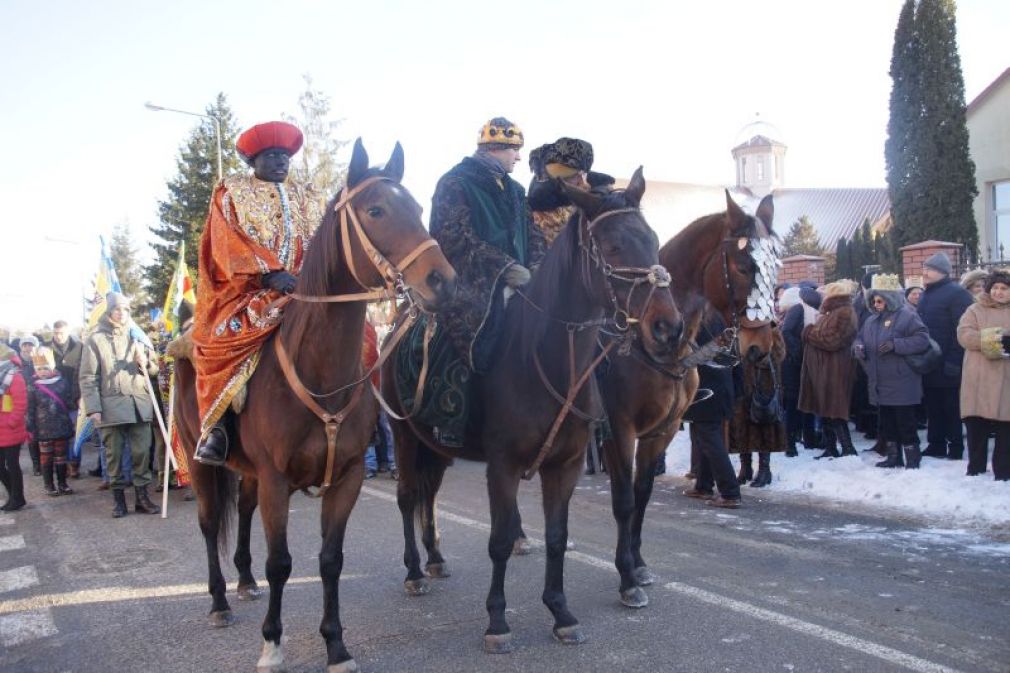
x,y
897,424
943,416
10,472
714,466
978,446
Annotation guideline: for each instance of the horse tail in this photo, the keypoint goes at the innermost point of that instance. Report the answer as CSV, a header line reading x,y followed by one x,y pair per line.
x,y
218,488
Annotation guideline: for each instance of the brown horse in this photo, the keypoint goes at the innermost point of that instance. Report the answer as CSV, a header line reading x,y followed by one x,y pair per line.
x,y
586,281
281,446
710,262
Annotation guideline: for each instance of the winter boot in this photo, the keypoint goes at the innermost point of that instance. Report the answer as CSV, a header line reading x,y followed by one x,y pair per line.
x,y
845,438
213,449
143,504
912,457
16,491
893,458
120,497
791,449
746,469
47,474
811,440
934,451
764,474
61,479
830,442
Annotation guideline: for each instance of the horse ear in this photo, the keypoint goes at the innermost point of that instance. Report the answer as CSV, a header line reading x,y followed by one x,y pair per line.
x,y
636,188
766,212
394,167
735,216
359,164
585,201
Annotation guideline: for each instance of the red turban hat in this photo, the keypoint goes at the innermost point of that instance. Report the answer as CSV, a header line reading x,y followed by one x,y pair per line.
x,y
265,136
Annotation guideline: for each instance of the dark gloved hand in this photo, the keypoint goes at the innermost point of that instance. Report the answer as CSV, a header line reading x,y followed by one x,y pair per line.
x,y
886,347
282,281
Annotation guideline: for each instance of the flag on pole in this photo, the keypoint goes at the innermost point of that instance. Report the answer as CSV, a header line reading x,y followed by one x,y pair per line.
x,y
181,288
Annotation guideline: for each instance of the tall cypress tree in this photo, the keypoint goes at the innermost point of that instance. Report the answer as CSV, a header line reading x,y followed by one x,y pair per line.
x,y
905,112
183,213
843,263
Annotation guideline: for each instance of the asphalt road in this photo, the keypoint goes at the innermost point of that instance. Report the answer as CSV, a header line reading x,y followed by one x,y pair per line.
x,y
780,585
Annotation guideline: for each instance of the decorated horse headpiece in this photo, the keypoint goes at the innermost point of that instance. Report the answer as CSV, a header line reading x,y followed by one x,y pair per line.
x,y
766,253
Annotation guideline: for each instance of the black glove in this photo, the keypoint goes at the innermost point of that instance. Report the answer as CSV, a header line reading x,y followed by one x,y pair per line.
x,y
282,281
885,347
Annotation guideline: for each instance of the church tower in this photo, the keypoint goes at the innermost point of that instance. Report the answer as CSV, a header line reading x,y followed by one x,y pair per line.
x,y
759,156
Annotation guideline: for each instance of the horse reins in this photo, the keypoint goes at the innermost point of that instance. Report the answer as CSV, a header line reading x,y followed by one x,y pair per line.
x,y
392,274
657,276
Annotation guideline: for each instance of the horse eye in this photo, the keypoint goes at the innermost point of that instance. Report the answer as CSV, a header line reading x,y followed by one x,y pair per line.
x,y
374,211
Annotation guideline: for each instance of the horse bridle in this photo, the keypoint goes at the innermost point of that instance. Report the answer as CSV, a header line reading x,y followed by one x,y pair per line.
x,y
392,275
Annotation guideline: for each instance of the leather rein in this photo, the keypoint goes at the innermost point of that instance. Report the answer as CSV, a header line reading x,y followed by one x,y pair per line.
x,y
621,320
394,287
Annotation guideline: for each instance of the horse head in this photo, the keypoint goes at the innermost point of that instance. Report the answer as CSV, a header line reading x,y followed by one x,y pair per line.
x,y
616,239
740,279
383,239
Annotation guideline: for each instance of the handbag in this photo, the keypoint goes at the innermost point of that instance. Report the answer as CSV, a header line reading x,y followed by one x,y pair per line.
x,y
927,361
766,409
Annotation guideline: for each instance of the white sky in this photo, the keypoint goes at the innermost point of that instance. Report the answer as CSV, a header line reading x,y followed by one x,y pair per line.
x,y
666,84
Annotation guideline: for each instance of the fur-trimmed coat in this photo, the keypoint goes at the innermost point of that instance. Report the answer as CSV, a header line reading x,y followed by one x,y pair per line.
x,y
985,391
828,368
891,381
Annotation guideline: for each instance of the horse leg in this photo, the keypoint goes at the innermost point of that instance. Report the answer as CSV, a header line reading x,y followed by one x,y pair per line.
x,y
618,453
431,474
408,497
558,484
248,590
274,497
645,475
502,486
337,505
212,508
521,545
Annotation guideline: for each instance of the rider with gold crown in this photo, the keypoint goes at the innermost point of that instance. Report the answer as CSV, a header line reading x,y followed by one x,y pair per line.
x,y
251,251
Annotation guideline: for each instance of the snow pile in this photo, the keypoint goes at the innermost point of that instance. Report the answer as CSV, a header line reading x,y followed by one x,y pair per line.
x,y
939,490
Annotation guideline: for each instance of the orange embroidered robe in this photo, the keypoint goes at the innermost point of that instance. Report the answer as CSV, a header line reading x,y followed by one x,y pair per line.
x,y
253,227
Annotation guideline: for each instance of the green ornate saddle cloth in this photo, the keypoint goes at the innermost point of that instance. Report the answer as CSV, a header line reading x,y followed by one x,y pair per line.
x,y
446,398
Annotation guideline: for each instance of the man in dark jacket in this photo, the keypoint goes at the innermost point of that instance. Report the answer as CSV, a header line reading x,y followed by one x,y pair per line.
x,y
708,420
942,303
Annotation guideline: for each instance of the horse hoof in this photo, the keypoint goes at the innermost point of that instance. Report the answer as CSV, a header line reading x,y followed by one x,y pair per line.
x,y
522,547
437,570
418,587
643,576
220,619
569,635
249,592
272,658
349,666
497,643
635,597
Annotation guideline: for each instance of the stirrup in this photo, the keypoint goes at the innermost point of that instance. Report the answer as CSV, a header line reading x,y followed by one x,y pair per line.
x,y
208,452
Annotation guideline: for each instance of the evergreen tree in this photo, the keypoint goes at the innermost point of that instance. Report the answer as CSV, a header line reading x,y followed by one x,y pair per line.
x,y
843,262
124,260
802,239
899,154
317,162
183,213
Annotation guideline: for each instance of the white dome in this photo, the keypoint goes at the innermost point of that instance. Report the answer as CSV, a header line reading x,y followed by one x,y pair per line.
x,y
758,127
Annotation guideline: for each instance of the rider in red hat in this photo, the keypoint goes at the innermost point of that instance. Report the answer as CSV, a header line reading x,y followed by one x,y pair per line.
x,y
251,252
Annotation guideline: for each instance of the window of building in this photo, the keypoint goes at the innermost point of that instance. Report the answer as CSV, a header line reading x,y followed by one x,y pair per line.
x,y
1001,216
760,170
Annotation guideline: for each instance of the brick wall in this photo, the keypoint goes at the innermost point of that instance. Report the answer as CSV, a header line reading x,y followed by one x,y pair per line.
x,y
801,267
912,256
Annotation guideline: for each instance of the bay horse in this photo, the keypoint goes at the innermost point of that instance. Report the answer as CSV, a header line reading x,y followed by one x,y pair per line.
x,y
549,344
710,262
279,445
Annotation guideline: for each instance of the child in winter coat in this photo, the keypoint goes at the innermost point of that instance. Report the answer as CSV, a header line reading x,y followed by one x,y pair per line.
x,y
49,402
13,405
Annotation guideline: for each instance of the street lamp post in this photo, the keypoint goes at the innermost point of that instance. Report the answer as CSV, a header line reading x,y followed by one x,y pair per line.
x,y
217,129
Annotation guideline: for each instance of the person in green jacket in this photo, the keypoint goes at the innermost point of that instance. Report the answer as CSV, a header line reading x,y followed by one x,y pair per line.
x,y
116,399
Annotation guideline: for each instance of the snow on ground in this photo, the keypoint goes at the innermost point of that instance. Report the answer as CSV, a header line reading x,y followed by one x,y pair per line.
x,y
939,491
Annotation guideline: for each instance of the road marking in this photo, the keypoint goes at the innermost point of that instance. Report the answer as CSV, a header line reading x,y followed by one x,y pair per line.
x,y
22,627
6,521
18,578
12,542
830,635
839,638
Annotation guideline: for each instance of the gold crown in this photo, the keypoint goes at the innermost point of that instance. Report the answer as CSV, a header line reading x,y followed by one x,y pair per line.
x,y
43,358
885,281
500,131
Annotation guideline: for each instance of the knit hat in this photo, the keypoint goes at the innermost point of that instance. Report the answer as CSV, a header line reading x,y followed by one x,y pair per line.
x,y
30,339
500,134
567,156
116,300
939,262
997,276
266,136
